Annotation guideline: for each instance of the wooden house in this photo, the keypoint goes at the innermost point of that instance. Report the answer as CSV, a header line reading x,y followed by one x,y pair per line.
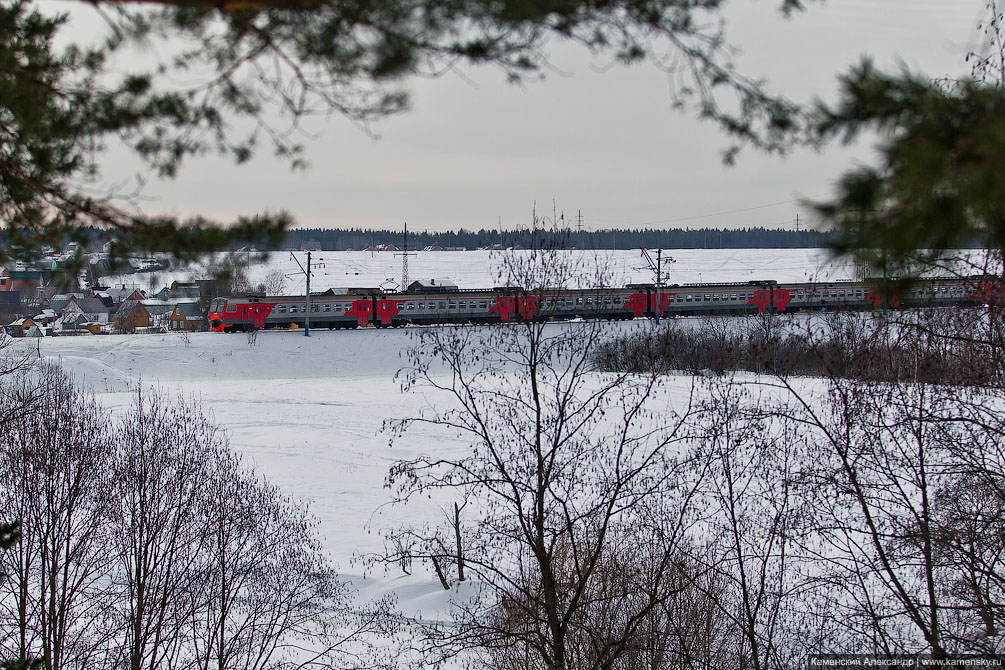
x,y
187,316
130,316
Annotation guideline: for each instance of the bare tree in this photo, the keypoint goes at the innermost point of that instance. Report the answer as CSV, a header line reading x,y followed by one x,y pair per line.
x,y
671,609
903,569
146,545
753,531
214,567
560,465
971,559
55,457
269,597
165,459
860,510
274,283
988,62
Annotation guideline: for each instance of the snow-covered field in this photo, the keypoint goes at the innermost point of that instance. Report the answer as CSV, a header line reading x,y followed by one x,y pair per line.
x,y
306,412
478,269
309,413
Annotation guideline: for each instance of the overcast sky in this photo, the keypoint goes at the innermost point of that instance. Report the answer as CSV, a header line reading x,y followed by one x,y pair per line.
x,y
475,151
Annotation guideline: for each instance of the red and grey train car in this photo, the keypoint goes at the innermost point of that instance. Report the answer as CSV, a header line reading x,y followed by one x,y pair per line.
x,y
357,308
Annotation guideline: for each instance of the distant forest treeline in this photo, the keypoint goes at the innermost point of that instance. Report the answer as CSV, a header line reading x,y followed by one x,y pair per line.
x,y
357,239
703,238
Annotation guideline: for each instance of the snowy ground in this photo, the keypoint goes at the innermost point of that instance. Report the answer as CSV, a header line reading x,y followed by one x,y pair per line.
x,y
310,412
307,412
477,269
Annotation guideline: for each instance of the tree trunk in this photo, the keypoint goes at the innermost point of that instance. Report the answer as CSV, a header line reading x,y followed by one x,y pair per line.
x,y
460,551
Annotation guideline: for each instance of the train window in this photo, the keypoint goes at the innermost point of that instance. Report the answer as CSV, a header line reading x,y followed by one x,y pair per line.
x,y
328,308
281,309
732,296
409,305
689,298
314,308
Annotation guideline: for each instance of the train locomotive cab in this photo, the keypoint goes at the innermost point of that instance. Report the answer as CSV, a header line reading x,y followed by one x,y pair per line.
x,y
215,315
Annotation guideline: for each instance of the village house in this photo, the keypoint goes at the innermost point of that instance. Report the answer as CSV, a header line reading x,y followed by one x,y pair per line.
x,y
81,314
92,309
130,316
160,312
59,301
188,316
433,286
25,280
18,327
122,293
179,289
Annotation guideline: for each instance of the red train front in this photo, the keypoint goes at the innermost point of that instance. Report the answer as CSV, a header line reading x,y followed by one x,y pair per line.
x,y
229,315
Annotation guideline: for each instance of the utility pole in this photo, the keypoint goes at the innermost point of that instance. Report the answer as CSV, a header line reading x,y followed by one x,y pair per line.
x,y
307,300
657,269
307,295
404,262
